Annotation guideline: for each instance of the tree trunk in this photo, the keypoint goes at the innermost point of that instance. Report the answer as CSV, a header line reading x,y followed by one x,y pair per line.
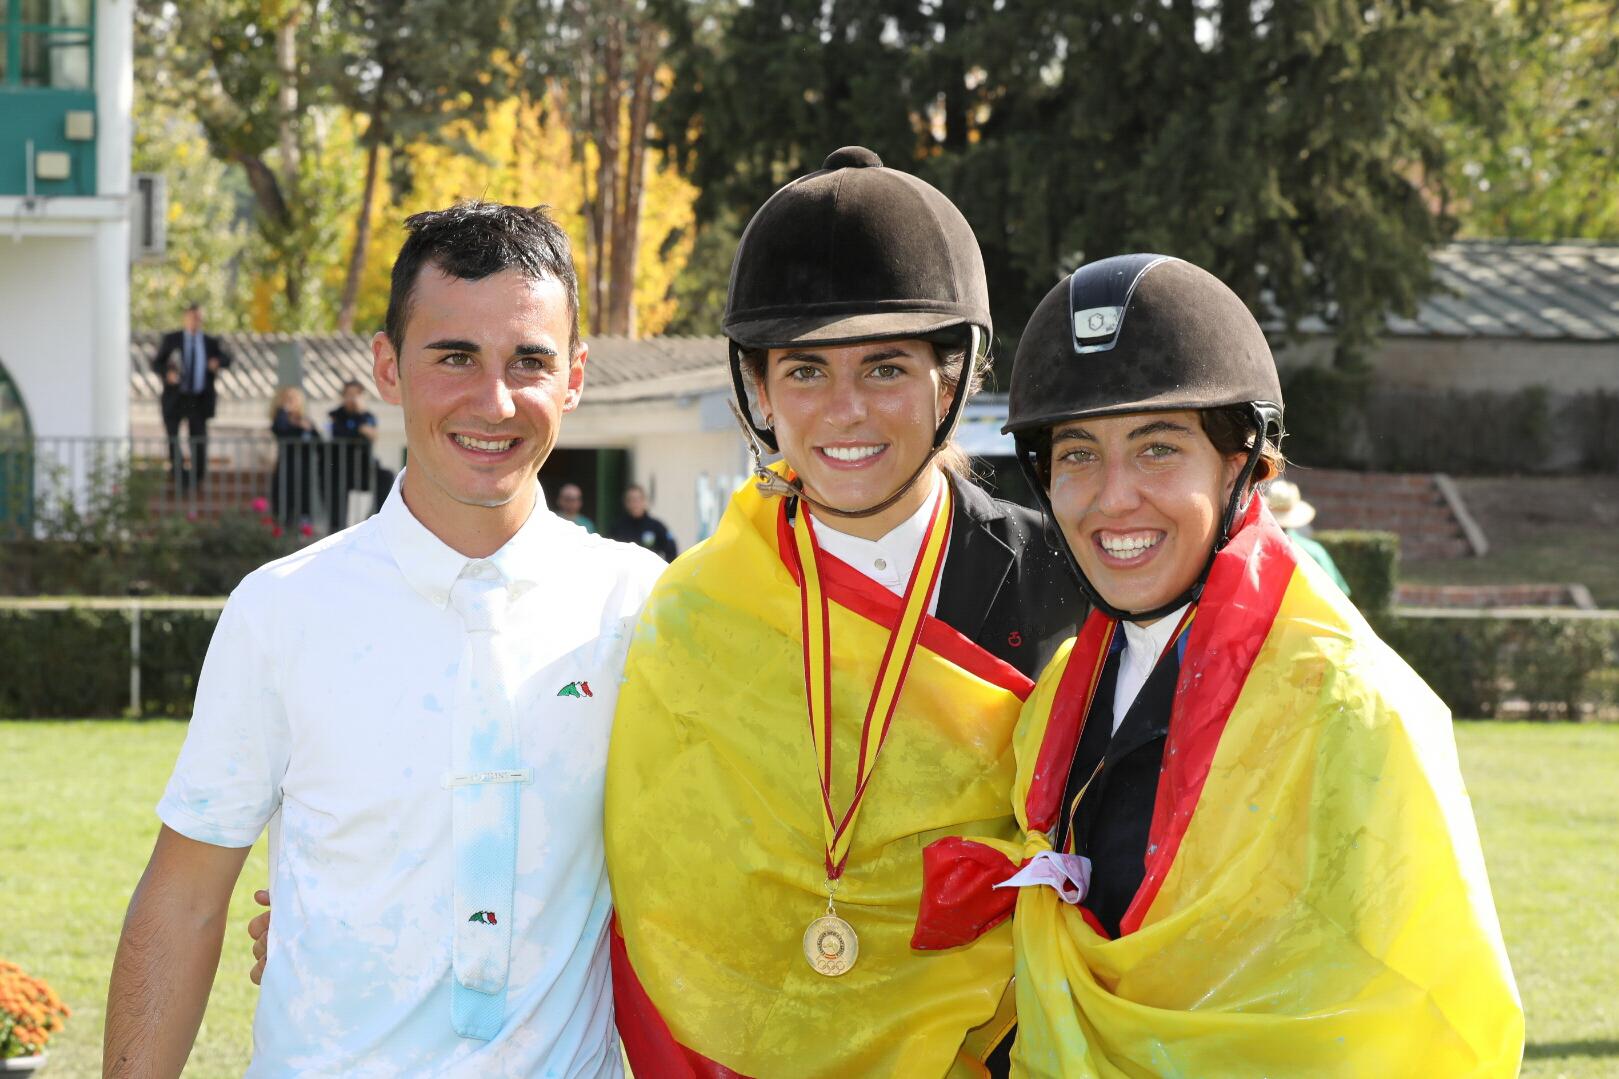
x,y
627,226
362,231
287,189
286,62
607,122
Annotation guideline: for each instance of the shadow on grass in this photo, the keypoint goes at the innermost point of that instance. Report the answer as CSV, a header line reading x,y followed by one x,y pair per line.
x,y
1552,1050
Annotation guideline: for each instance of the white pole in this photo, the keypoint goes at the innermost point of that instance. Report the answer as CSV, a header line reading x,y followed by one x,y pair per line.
x,y
135,659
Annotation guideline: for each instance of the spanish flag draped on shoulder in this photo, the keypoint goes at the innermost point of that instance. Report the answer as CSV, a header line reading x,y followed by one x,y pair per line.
x,y
1315,901
716,839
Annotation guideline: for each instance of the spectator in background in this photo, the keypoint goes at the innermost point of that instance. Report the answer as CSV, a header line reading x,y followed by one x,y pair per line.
x,y
570,501
352,464
641,528
1294,515
292,492
187,361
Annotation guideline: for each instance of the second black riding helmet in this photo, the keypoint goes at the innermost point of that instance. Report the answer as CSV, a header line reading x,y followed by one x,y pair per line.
x,y
1140,333
856,252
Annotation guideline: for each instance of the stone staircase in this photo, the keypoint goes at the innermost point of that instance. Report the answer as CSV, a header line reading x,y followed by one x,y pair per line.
x,y
226,489
1414,505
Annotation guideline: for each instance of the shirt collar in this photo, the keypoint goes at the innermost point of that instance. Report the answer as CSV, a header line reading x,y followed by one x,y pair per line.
x,y
1146,643
431,566
898,547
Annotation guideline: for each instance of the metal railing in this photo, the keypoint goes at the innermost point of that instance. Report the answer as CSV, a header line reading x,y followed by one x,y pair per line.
x,y
50,485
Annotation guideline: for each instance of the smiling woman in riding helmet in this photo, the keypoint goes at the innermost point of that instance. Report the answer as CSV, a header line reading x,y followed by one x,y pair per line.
x,y
831,681
1246,845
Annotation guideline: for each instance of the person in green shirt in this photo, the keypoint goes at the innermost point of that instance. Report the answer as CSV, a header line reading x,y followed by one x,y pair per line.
x,y
1294,515
570,500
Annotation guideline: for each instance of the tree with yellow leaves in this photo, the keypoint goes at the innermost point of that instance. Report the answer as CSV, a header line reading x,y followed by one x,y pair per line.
x,y
524,152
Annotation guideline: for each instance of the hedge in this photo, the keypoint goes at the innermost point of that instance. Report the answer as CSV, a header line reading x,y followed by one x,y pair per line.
x,y
1556,667
76,662
1339,417
1369,562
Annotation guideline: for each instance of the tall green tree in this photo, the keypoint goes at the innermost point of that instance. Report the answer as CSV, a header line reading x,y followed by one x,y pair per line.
x,y
1543,162
1289,147
207,231
412,70
275,84
238,67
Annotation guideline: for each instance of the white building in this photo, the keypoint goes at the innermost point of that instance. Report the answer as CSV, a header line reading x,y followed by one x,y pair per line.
x,y
66,92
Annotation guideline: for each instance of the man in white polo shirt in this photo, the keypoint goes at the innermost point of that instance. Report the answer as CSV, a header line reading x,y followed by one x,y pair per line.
x,y
418,708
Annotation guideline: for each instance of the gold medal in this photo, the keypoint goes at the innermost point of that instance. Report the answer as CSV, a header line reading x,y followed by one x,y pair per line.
x,y
831,946
830,943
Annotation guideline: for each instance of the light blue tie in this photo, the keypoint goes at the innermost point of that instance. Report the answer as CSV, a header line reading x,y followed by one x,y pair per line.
x,y
485,780
198,363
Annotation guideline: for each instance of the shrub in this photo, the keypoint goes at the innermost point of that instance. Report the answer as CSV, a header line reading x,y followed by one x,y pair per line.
x,y
1327,416
1468,432
1555,660
103,541
1369,562
30,1013
78,662
1553,666
1336,418
1459,658
1594,420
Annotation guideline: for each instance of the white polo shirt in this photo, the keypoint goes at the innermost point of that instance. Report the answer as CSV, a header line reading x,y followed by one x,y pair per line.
x,y
323,711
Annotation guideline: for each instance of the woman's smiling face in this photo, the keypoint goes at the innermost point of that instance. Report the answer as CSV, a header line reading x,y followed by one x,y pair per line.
x,y
1139,499
855,421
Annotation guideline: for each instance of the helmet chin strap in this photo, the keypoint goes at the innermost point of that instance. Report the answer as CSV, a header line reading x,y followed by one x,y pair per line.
x,y
773,483
1235,505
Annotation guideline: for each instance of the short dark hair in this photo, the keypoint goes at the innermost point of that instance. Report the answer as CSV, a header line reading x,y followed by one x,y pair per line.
x,y
1231,430
474,239
354,383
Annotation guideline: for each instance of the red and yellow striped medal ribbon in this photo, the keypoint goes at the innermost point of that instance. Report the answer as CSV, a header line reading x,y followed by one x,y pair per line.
x,y
830,944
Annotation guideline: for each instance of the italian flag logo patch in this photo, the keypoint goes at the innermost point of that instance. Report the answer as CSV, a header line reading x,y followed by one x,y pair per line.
x,y
575,689
487,917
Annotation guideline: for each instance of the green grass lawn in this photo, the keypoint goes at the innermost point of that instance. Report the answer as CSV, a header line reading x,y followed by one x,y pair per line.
x,y
76,827
77,800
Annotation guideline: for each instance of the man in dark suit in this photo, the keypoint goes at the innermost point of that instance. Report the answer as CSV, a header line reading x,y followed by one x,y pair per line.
x,y
187,361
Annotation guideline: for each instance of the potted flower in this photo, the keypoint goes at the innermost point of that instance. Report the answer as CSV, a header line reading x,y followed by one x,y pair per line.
x,y
30,1013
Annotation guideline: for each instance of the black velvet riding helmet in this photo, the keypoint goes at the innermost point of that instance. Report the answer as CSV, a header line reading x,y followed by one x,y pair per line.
x,y
1140,333
857,252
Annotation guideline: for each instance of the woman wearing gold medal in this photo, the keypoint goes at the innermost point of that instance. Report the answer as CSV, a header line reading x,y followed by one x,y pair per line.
x,y
830,682
1246,848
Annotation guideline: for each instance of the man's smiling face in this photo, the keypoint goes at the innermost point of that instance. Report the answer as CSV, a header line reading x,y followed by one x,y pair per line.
x,y
484,375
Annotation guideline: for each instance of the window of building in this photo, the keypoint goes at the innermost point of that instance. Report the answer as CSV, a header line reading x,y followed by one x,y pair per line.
x,y
47,44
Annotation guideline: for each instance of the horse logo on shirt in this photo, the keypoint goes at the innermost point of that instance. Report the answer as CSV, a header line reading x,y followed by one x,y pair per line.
x,y
487,917
575,689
